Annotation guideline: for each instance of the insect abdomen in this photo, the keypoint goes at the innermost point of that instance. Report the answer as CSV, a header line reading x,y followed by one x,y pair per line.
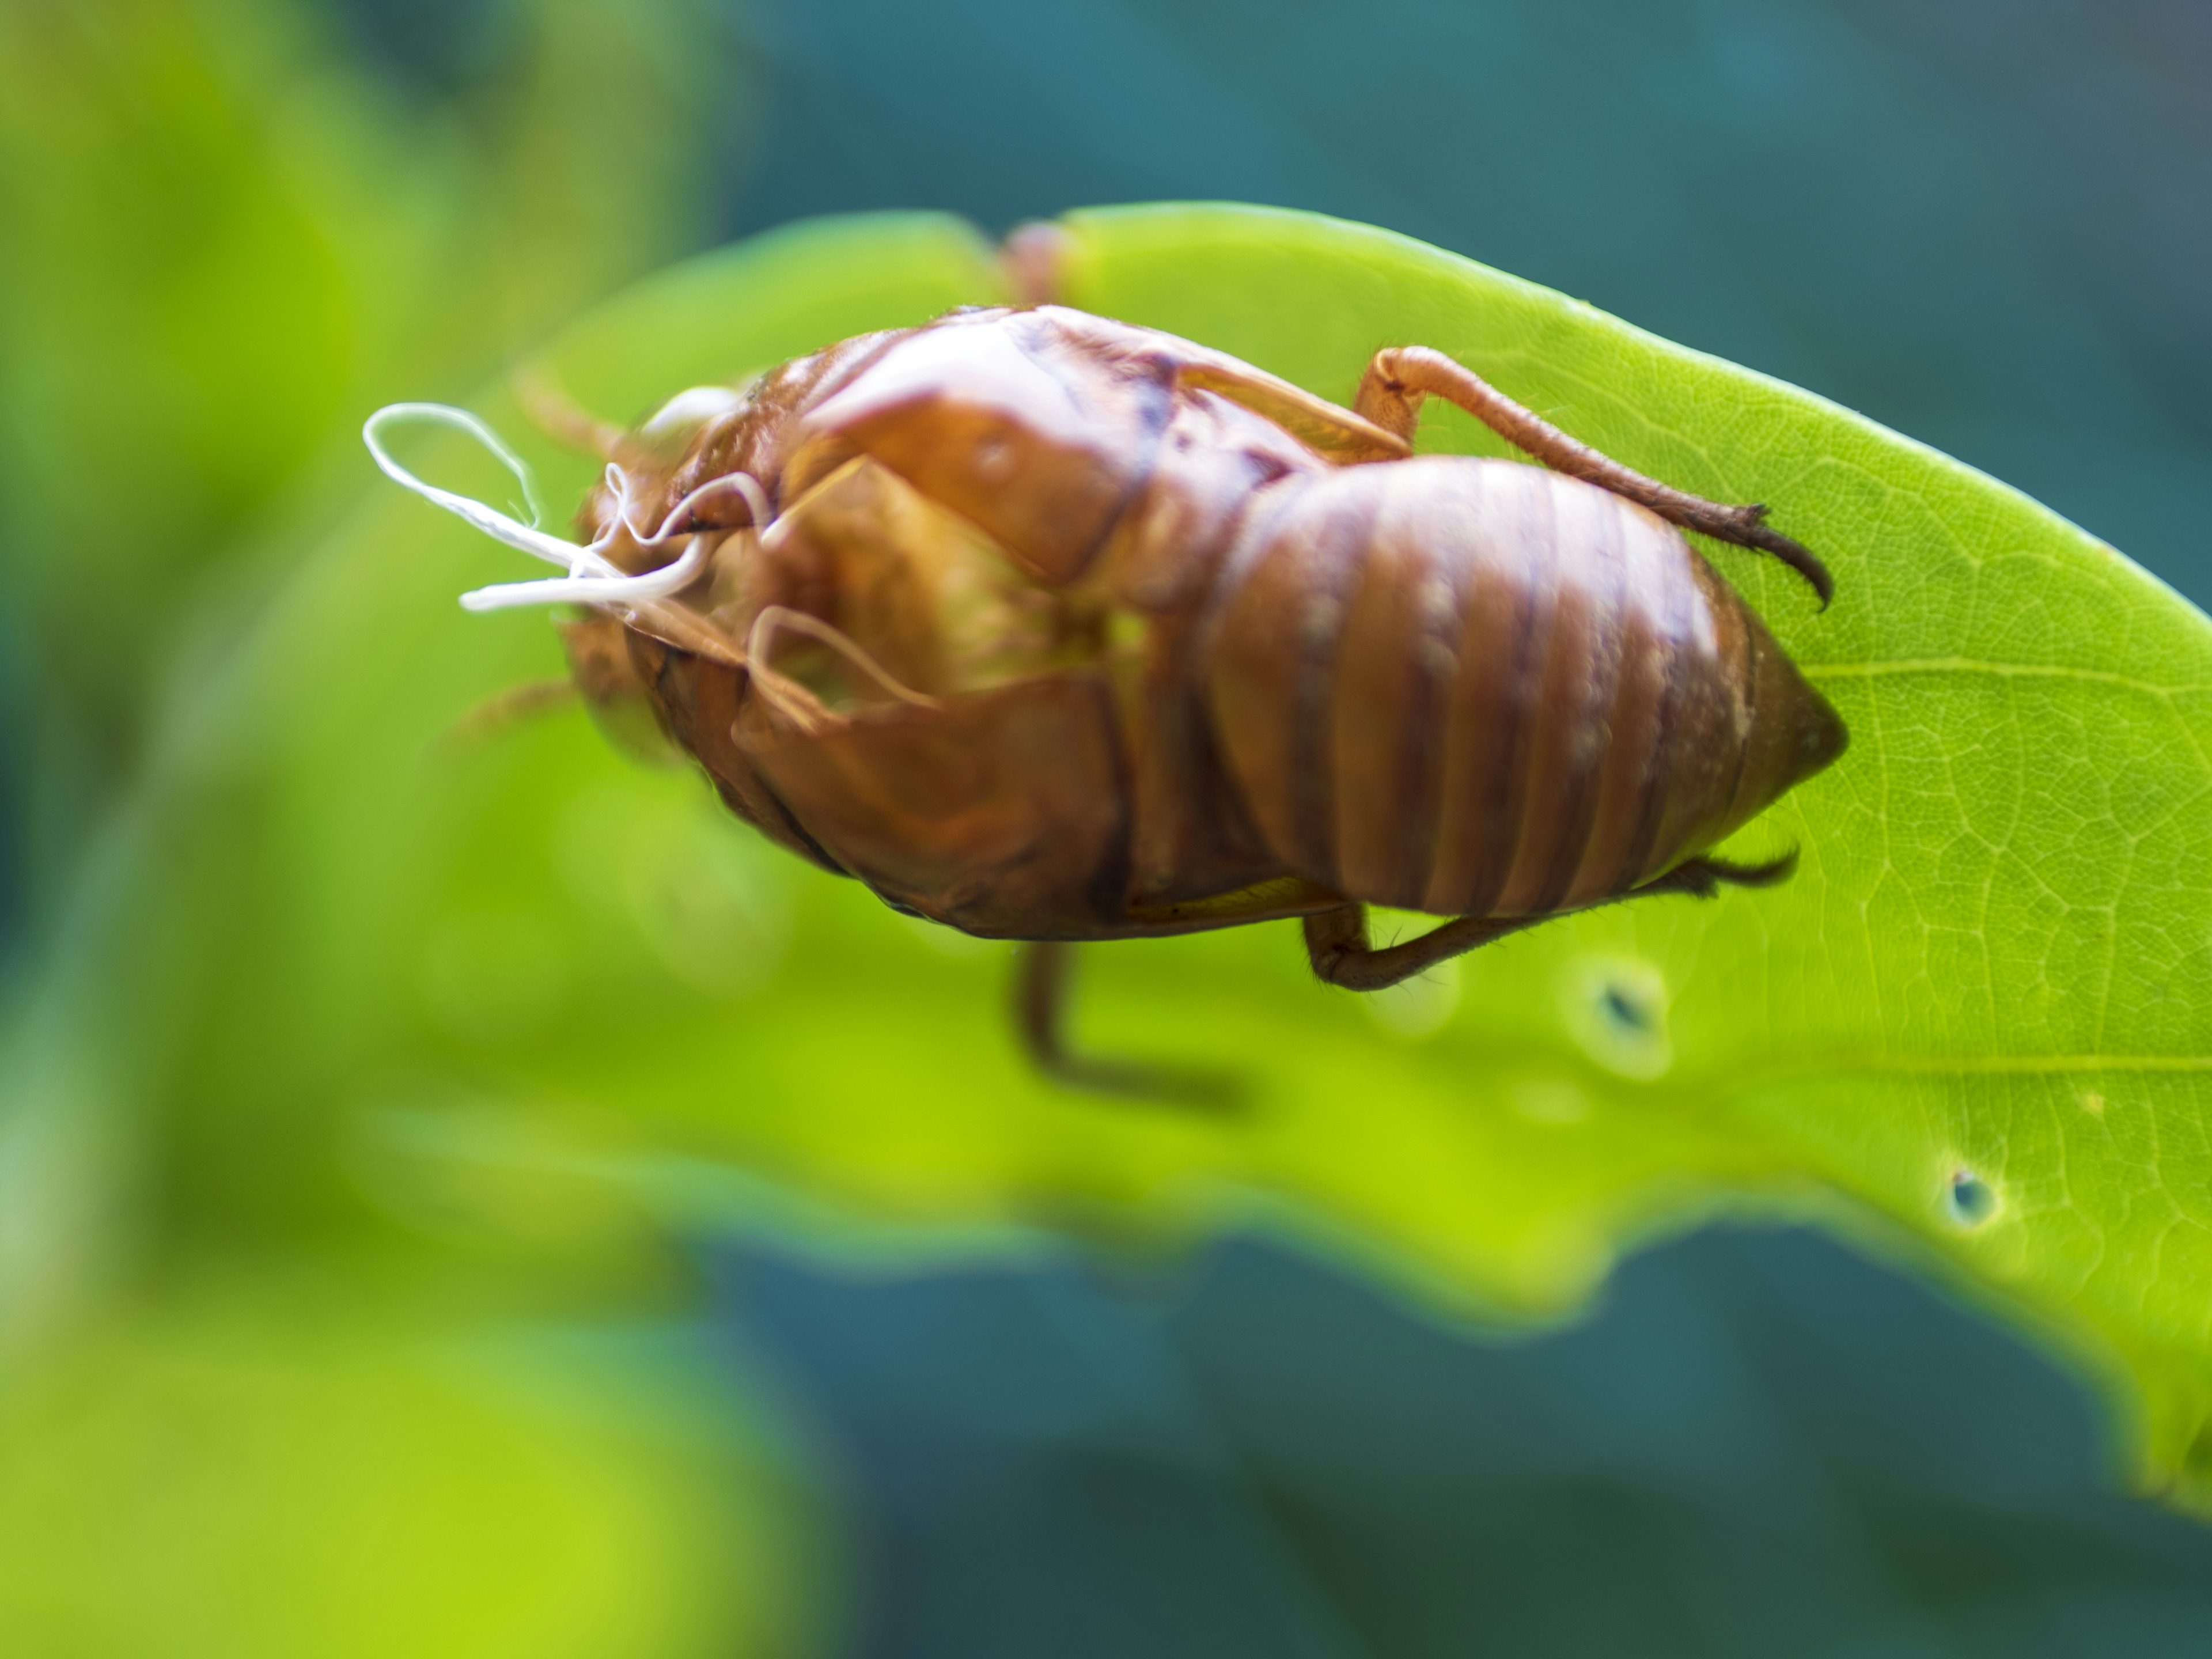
x,y
1476,688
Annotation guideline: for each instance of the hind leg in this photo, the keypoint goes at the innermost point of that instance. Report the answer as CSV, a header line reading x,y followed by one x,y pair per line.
x,y
1336,944
1390,394
1042,982
1336,940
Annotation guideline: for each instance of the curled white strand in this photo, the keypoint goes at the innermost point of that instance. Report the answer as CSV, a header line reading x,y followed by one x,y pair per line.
x,y
619,590
775,617
591,578
741,484
525,538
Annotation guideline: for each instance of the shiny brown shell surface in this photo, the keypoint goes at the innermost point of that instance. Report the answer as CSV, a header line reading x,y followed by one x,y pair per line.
x,y
1058,628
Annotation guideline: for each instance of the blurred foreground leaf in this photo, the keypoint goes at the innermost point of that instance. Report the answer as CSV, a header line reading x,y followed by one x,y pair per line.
x,y
1972,1029
238,1476
219,238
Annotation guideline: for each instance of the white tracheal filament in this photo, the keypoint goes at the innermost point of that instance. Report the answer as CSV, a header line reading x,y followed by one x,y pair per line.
x,y
591,578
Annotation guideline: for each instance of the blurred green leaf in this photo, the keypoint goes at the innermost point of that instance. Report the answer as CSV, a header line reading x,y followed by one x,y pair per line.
x,y
1969,1029
238,1475
219,238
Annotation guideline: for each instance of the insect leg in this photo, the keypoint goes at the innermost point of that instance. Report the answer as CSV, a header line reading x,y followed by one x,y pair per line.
x,y
502,711
1034,257
1703,877
562,418
1041,980
1390,394
1336,940
1336,944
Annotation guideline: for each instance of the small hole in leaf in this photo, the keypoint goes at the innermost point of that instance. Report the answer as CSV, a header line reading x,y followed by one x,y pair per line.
x,y
1616,1008
1624,1009
1970,1199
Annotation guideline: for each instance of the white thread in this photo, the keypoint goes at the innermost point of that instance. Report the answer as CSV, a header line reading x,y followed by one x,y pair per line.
x,y
592,579
528,538
744,483
616,590
693,407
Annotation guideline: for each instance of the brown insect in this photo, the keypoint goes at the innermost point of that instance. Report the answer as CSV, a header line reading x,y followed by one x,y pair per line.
x,y
1050,628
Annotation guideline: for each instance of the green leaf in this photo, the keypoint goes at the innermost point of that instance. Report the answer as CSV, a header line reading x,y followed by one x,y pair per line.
x,y
1971,1030
217,238
238,1475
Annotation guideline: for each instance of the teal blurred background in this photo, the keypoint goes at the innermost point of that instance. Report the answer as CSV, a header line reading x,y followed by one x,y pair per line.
x,y
228,230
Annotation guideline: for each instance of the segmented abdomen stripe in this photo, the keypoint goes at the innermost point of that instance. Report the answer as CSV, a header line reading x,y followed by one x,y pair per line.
x,y
1666,662
1573,717
1454,685
1509,621
1393,668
